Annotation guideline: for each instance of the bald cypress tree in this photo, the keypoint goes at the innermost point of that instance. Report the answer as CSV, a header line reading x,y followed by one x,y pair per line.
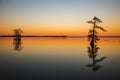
x,y
17,40
93,48
17,34
92,34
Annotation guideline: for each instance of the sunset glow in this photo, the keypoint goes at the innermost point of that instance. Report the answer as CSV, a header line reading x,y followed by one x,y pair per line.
x,y
58,17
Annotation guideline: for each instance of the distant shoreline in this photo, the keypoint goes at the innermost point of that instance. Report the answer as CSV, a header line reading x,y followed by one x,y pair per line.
x,y
65,36
35,36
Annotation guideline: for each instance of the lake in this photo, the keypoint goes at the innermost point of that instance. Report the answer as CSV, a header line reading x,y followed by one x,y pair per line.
x,y
59,59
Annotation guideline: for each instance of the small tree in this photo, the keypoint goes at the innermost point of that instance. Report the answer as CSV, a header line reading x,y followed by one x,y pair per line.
x,y
93,49
17,33
17,39
92,35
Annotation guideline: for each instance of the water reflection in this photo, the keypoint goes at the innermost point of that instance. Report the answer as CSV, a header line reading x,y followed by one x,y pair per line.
x,y
17,44
92,50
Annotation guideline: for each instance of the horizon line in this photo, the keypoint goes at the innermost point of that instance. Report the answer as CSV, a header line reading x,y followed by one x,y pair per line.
x,y
53,36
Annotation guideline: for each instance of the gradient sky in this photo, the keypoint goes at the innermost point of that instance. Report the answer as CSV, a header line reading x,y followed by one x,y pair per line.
x,y
58,17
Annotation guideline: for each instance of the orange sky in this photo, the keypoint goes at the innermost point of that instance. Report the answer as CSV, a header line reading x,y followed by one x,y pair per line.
x,y
57,17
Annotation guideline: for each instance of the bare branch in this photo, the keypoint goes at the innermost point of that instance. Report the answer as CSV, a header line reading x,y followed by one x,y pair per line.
x,y
90,22
100,28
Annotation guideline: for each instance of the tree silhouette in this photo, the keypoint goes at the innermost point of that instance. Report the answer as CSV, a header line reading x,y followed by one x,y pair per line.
x,y
17,39
17,34
92,34
93,48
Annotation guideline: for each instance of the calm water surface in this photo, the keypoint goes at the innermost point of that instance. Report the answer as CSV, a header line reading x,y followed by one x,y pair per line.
x,y
59,59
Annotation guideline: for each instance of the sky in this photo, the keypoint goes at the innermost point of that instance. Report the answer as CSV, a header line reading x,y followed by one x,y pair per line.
x,y
59,17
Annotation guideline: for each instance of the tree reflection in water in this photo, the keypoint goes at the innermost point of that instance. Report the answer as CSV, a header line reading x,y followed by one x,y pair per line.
x,y
17,44
17,40
93,48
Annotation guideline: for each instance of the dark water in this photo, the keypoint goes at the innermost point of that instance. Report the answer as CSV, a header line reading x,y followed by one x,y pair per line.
x,y
58,59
